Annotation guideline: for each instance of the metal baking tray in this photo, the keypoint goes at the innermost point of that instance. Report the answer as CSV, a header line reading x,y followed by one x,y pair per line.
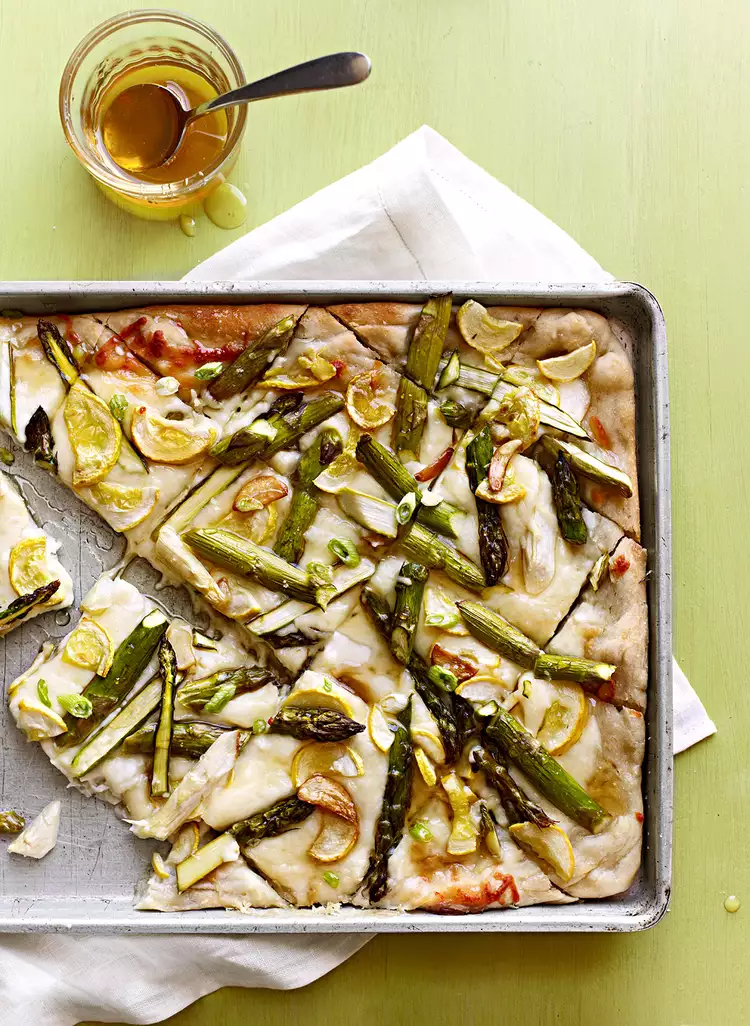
x,y
86,884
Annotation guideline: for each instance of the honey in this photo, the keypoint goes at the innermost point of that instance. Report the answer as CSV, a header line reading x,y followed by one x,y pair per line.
x,y
136,123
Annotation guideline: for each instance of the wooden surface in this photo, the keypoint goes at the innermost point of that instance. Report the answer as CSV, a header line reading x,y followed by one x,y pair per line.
x,y
626,122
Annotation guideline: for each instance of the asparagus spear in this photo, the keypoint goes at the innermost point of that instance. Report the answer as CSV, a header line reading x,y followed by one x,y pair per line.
x,y
58,351
290,542
22,605
396,797
424,547
11,822
405,620
247,444
130,660
131,716
587,465
314,724
245,557
188,738
389,472
283,815
545,772
427,343
456,414
589,674
496,633
519,808
411,417
474,379
163,740
39,441
253,360
194,694
440,704
567,502
493,544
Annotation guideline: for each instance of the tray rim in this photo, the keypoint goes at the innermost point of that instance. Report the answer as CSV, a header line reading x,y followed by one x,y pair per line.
x,y
624,914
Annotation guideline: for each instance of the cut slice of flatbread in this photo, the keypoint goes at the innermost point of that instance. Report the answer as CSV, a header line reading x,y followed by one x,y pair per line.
x,y
610,418
611,624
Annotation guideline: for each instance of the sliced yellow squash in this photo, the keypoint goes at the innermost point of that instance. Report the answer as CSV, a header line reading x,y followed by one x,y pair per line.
x,y
326,758
123,506
570,366
170,441
378,728
27,567
90,646
95,436
371,397
564,719
551,845
483,332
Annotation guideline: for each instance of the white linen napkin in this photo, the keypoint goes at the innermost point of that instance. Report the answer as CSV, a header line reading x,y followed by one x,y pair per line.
x,y
423,210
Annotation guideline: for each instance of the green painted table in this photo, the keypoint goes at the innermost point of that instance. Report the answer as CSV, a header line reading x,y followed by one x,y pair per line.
x,y
626,122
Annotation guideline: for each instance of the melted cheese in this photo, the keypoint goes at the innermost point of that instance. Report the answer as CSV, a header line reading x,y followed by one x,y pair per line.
x,y
16,525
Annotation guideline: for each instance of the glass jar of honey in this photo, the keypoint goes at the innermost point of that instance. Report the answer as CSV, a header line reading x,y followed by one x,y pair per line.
x,y
105,125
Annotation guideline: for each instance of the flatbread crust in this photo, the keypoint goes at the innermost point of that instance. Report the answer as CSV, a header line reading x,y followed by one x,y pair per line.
x,y
611,624
611,414
178,340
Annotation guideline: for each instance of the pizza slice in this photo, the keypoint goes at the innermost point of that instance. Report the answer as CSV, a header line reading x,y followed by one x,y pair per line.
x,y
32,578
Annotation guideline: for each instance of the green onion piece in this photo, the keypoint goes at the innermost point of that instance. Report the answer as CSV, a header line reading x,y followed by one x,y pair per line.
x,y
220,698
118,405
405,508
443,678
260,727
41,690
247,505
420,831
77,705
319,574
345,551
331,878
209,371
7,457
440,620
327,686
451,371
263,428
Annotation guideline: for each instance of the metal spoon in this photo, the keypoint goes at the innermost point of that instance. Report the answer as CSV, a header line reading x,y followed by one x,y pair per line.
x,y
330,72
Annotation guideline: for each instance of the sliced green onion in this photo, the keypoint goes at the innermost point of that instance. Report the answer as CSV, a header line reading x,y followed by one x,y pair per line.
x,y
443,678
77,705
451,371
327,686
209,371
41,690
331,878
220,698
262,428
167,385
260,727
201,640
319,574
420,831
247,505
7,457
118,405
489,709
345,551
405,508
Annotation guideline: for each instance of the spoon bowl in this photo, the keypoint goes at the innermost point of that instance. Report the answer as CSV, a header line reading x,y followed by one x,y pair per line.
x,y
159,115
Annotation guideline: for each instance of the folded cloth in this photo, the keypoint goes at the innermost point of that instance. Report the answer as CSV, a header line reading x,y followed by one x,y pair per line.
x,y
421,211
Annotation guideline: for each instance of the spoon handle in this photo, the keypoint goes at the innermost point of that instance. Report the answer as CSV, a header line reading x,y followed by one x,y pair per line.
x,y
330,72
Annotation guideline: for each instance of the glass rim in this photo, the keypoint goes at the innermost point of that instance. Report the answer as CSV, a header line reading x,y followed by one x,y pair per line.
x,y
148,190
